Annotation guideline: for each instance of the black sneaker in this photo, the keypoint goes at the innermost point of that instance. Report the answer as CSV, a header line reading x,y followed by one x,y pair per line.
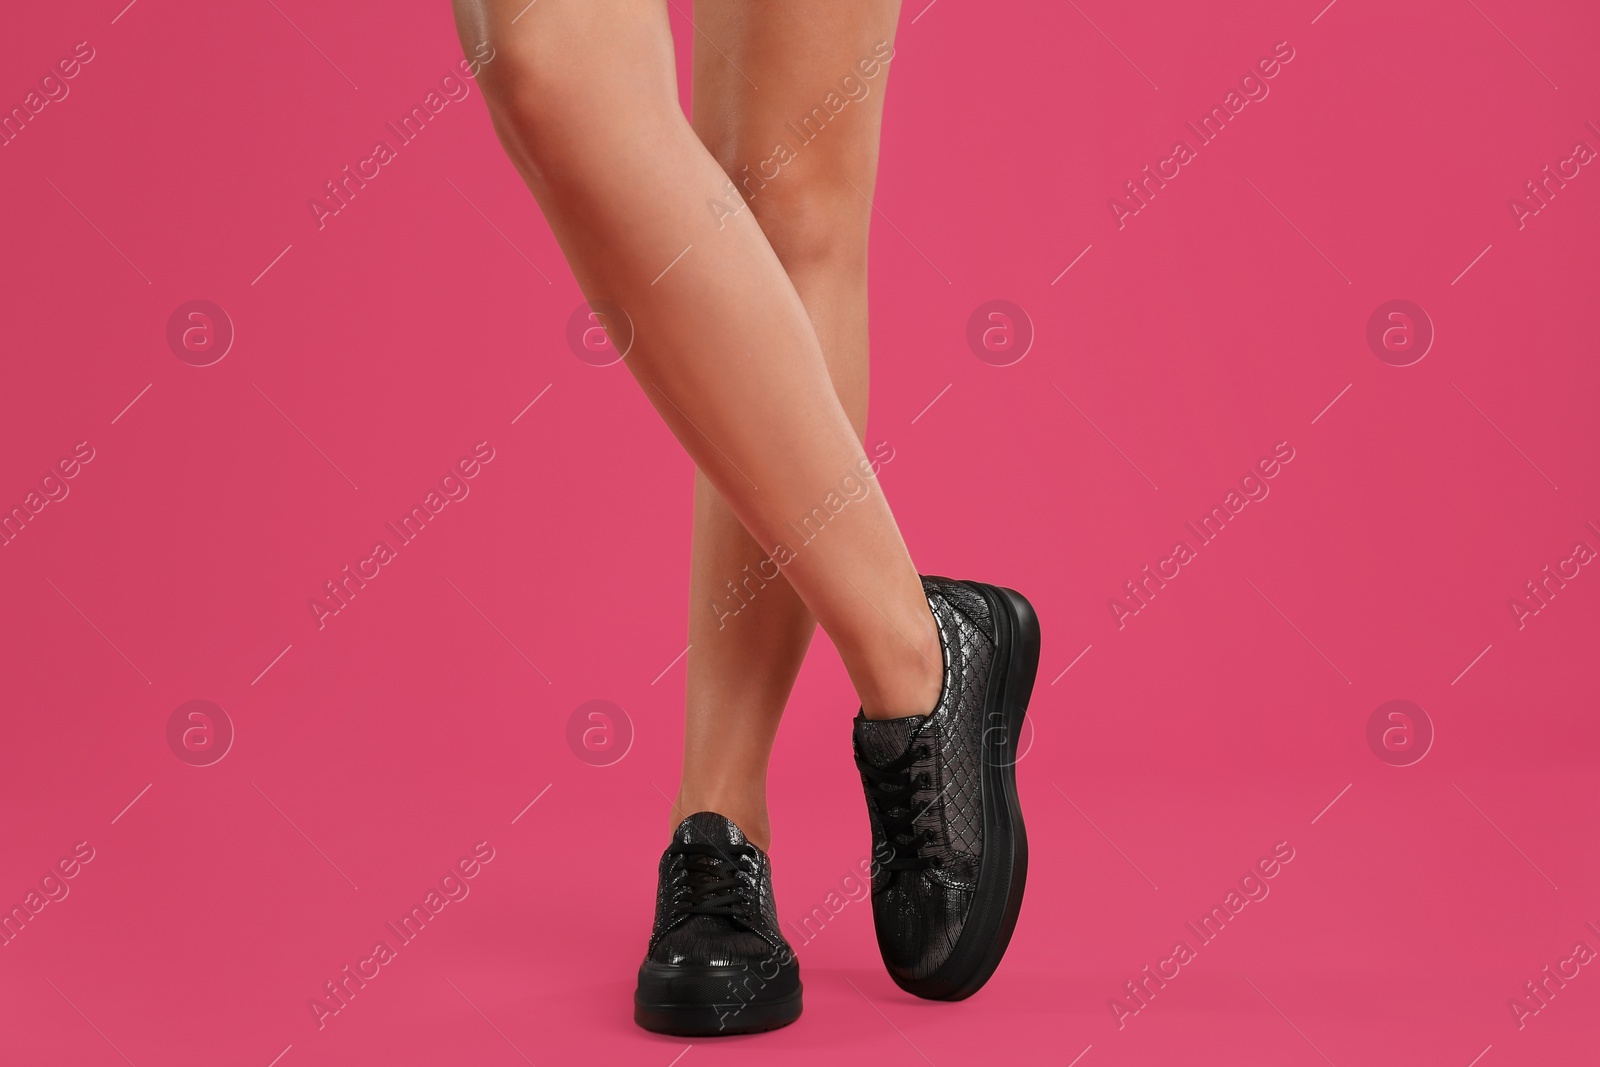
x,y
942,798
717,963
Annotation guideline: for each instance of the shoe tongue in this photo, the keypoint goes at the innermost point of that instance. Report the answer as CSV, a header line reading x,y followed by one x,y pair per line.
x,y
707,827
881,740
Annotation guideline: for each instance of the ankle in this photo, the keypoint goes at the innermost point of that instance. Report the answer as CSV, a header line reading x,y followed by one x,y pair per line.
x,y
908,675
748,814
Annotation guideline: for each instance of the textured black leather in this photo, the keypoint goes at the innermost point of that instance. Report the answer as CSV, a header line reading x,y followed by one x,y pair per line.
x,y
681,937
717,962
924,781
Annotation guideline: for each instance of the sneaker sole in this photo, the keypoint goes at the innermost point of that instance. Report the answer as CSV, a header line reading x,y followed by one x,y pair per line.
x,y
705,1018
1003,870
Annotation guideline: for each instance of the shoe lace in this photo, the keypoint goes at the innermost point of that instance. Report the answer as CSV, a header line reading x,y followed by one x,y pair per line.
x,y
894,790
715,880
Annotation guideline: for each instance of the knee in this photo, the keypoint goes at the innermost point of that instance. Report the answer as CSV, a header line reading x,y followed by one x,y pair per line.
x,y
527,89
813,220
554,95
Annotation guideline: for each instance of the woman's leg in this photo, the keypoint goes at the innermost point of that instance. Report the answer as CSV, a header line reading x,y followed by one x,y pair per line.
x,y
814,212
583,97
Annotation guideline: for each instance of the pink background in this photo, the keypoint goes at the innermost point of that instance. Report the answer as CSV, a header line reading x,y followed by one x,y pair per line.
x,y
1225,717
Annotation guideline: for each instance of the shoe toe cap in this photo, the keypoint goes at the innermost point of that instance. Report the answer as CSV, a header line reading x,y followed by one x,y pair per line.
x,y
919,922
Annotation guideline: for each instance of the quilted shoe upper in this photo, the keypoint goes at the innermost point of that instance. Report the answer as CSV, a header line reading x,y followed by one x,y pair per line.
x,y
925,793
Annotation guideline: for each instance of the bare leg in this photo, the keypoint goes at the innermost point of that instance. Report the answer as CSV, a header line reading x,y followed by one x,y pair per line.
x,y
583,98
813,210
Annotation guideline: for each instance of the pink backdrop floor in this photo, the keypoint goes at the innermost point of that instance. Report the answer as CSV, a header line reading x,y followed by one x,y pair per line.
x,y
1174,747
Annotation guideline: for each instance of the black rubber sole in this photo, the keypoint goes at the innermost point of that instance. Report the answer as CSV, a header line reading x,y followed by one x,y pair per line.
x,y
1003,871
713,1007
